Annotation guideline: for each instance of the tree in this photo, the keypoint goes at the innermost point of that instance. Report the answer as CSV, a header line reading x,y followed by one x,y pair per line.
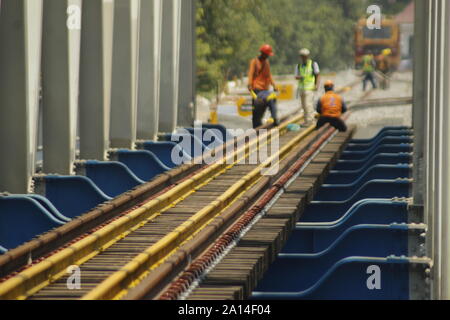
x,y
231,31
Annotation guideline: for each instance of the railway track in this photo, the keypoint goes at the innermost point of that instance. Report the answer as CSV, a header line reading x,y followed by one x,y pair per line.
x,y
145,236
153,234
236,271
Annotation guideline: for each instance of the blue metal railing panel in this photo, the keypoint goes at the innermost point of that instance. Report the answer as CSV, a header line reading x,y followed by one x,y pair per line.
x,y
367,211
310,267
371,189
379,171
388,131
390,140
22,218
316,239
192,145
113,178
385,158
348,279
367,155
351,226
49,207
144,164
65,192
165,151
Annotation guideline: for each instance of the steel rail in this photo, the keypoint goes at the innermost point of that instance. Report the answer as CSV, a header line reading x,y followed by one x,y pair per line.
x,y
160,277
44,245
202,263
40,275
158,252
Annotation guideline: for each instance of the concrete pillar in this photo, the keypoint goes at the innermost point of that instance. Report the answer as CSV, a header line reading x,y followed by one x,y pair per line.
x,y
438,143
169,66
149,69
20,55
60,78
187,76
429,142
445,291
436,160
124,74
420,106
95,78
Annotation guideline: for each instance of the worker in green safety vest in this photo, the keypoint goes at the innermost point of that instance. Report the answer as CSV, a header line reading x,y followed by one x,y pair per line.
x,y
369,65
307,73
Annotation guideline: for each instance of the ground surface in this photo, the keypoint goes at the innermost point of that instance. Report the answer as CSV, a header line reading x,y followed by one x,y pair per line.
x,y
369,121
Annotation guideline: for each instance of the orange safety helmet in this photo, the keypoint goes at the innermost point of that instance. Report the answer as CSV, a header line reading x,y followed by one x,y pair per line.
x,y
329,84
267,49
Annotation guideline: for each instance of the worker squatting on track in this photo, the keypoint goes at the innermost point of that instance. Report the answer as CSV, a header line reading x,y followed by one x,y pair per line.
x,y
330,107
259,81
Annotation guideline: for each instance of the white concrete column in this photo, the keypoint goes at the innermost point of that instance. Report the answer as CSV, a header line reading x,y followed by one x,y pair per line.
x,y
124,74
169,65
20,56
445,291
187,76
60,83
420,105
95,78
435,140
429,142
149,69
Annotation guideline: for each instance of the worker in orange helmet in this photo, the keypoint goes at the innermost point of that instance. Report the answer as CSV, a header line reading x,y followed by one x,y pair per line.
x,y
330,107
259,81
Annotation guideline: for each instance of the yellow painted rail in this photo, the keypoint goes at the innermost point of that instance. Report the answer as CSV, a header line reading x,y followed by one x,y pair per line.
x,y
38,276
154,255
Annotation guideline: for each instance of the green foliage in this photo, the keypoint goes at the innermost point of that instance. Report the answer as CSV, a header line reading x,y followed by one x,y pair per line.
x,y
391,7
230,32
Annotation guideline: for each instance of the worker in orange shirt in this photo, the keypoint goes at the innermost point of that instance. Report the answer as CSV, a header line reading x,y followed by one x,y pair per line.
x,y
330,107
259,81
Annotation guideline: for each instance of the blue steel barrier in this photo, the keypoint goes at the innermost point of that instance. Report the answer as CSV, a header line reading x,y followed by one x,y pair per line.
x,y
144,164
113,178
371,211
21,219
382,158
348,279
65,197
65,192
358,218
386,140
379,171
384,133
164,151
367,155
315,239
326,211
312,266
48,206
371,189
192,145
